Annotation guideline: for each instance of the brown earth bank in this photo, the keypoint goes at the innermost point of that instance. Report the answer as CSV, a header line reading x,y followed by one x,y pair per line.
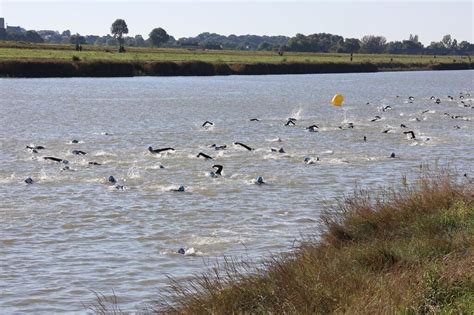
x,y
54,68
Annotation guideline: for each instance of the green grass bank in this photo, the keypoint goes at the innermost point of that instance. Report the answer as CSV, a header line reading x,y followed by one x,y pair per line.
x,y
43,60
399,251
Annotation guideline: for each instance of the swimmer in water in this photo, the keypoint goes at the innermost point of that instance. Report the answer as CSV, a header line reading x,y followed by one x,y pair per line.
x,y
204,156
243,145
254,119
154,151
112,181
36,147
218,147
218,172
78,152
310,160
207,123
411,133
179,189
219,169
349,126
312,128
29,181
277,150
51,158
259,180
290,122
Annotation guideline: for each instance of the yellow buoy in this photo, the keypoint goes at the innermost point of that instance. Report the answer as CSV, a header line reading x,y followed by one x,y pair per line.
x,y
337,100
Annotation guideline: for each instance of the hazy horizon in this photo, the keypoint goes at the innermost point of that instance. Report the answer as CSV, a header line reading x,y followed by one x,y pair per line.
x,y
395,20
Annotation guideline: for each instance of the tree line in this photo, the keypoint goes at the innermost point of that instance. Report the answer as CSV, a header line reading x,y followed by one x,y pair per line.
x,y
318,43
372,44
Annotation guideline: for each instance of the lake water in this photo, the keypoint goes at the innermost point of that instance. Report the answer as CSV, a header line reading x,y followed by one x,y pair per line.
x,y
71,232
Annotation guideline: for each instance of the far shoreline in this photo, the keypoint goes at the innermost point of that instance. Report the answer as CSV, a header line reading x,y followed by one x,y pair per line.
x,y
68,69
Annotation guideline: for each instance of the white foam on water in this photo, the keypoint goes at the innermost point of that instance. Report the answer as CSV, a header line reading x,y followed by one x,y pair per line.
x,y
133,172
103,153
328,152
297,114
278,139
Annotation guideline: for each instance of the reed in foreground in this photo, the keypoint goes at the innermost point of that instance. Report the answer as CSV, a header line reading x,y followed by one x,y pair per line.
x,y
409,250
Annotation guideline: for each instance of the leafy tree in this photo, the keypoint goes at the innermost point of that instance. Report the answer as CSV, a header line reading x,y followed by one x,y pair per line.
x,y
91,39
77,39
34,37
265,46
394,47
412,47
119,27
447,41
413,38
350,45
66,33
322,42
373,44
247,42
466,46
112,41
437,48
158,36
454,44
139,41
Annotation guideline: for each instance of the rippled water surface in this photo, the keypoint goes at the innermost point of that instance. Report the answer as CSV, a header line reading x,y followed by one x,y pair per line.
x,y
71,232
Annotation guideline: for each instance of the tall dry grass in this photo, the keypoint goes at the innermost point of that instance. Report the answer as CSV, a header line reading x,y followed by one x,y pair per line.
x,y
408,250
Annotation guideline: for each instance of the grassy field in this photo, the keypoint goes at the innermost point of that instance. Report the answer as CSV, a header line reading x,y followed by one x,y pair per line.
x,y
27,51
407,251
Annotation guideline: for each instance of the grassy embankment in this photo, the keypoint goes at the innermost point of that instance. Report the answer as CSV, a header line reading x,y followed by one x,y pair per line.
x,y
404,251
43,60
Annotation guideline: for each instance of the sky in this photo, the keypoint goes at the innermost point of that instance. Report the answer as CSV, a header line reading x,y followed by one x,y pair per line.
x,y
395,20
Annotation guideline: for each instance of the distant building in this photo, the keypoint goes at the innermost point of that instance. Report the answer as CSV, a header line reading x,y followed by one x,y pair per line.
x,y
2,23
49,35
15,30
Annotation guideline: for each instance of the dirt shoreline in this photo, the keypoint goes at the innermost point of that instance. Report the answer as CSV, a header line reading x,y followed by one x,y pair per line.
x,y
55,68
